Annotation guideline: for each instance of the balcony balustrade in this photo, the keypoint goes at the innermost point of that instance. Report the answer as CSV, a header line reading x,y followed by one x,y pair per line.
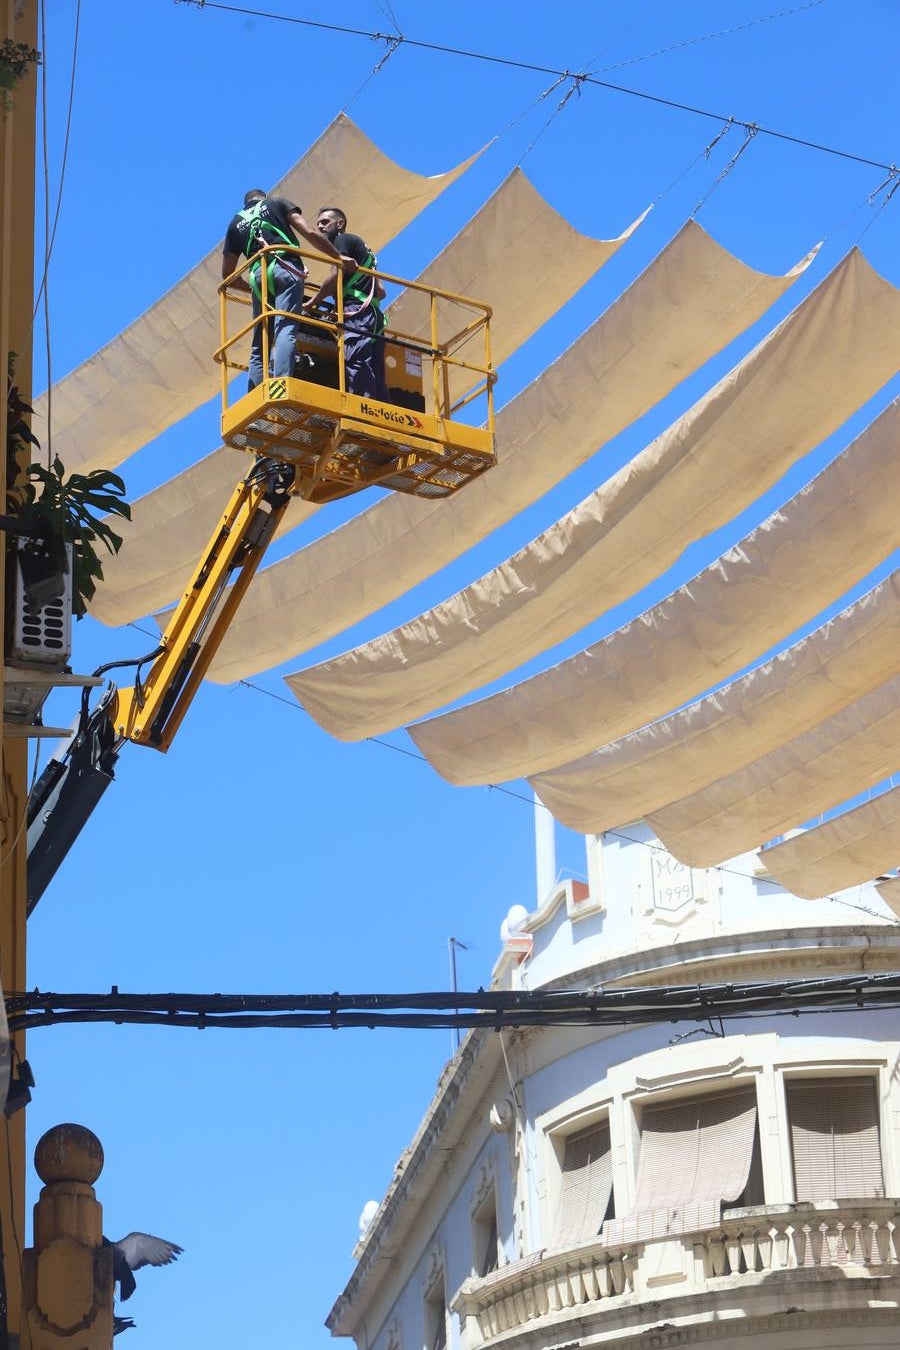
x,y
858,1238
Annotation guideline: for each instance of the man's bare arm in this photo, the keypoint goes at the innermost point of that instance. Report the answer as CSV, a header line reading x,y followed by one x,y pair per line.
x,y
327,291
229,262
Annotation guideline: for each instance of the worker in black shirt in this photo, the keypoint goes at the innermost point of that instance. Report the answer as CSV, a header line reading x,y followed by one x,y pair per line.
x,y
363,317
267,221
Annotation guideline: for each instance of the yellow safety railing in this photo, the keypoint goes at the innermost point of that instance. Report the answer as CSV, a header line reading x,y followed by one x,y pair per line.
x,y
449,353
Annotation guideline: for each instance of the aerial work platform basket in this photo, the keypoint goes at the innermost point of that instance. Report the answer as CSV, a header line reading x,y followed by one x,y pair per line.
x,y
438,372
311,436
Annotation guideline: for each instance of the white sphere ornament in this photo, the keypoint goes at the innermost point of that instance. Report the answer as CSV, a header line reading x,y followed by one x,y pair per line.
x,y
369,1210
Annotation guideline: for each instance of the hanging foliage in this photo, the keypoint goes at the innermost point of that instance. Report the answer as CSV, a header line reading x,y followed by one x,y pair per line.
x,y
15,60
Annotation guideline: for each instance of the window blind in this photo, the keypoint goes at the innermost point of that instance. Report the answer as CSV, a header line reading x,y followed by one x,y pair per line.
x,y
835,1141
695,1154
586,1186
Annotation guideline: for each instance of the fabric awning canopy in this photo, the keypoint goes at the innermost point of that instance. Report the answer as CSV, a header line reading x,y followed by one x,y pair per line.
x,y
850,849
689,303
160,368
815,772
890,893
799,688
694,1155
492,259
163,542
779,577
836,349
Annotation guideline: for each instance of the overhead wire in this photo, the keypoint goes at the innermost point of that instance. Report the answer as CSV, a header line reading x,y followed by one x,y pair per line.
x,y
708,37
628,31
720,178
45,289
63,160
537,68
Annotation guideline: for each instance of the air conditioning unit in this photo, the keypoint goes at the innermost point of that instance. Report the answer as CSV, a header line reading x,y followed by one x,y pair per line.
x,y
38,637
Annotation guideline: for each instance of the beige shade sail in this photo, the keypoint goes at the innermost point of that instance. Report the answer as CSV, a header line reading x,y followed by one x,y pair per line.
x,y
778,578
586,1186
861,844
890,893
830,669
688,304
809,775
517,255
694,1155
160,368
514,227
835,1142
796,388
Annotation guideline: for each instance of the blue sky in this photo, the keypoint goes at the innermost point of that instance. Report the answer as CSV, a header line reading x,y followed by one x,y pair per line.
x,y
259,855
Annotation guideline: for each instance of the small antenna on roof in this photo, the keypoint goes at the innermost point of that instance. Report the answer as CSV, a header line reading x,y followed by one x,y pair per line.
x,y
452,944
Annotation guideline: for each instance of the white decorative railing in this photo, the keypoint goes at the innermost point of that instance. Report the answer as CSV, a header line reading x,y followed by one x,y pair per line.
x,y
864,1234
546,1283
749,1243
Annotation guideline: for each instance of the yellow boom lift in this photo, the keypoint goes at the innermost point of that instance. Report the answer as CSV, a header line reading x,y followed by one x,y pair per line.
x,y
311,437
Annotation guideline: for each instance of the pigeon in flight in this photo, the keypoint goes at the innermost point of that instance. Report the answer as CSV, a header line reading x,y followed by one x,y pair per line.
x,y
134,1251
122,1324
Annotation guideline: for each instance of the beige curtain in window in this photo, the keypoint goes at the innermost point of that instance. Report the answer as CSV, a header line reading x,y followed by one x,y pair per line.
x,y
160,368
777,578
829,356
694,1155
803,686
514,228
852,848
689,303
809,775
586,1186
835,1141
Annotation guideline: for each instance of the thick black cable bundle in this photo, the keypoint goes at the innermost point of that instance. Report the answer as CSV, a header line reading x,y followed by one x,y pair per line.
x,y
495,1009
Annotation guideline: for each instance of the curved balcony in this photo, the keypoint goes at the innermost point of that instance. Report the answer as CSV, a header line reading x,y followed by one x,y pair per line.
x,y
735,1260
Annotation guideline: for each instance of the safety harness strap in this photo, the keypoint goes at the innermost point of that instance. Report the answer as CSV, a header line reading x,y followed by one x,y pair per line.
x,y
353,285
251,246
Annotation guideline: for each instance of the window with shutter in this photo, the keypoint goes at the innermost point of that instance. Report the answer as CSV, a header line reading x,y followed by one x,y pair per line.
x,y
835,1142
436,1316
485,1248
696,1155
586,1191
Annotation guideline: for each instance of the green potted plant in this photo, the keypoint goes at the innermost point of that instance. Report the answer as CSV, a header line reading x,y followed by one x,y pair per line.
x,y
73,509
52,510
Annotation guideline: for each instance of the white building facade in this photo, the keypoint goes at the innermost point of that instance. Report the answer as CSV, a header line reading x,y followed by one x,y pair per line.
x,y
658,1185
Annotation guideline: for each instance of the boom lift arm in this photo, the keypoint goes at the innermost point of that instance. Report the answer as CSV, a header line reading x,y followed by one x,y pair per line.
x,y
152,710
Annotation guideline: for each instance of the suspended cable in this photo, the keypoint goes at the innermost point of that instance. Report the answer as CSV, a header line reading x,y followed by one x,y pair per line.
x,y
708,37
492,1009
584,77
45,286
750,133
63,163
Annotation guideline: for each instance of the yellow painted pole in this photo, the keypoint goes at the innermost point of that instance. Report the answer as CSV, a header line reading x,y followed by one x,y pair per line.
x,y
18,22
